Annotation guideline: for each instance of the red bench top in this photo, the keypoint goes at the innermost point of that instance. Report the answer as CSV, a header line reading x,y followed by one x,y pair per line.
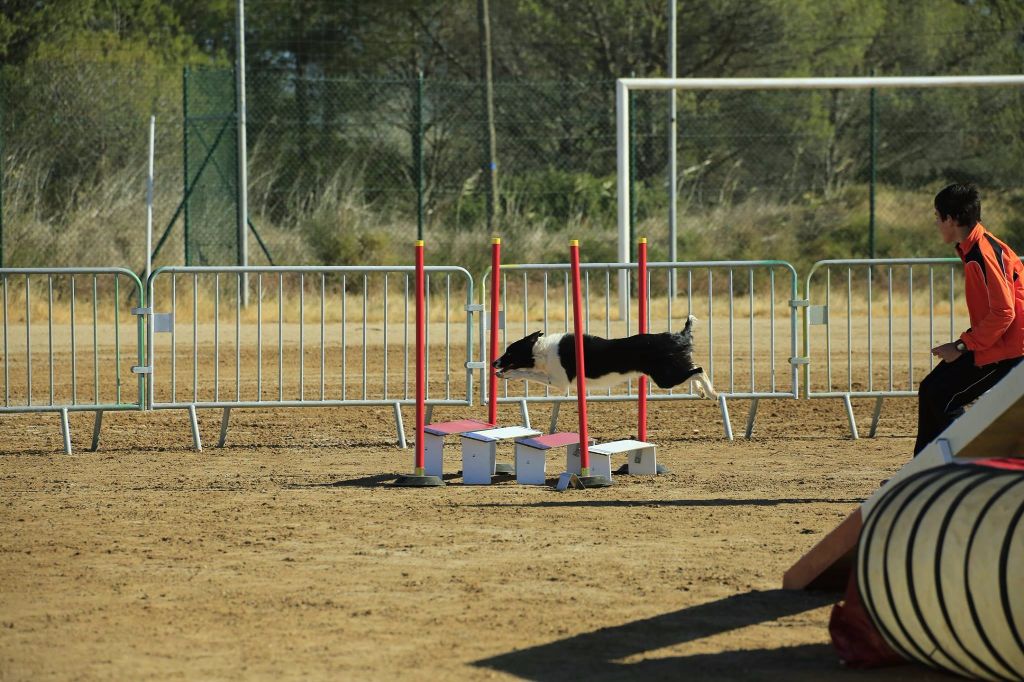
x,y
551,440
459,426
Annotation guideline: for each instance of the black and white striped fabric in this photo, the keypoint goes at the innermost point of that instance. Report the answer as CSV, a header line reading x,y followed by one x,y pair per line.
x,y
940,568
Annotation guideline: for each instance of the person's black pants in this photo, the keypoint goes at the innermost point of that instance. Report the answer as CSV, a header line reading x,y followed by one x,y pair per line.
x,y
950,386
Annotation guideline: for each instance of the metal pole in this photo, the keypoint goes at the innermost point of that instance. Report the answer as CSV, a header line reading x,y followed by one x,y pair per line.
x,y
874,168
243,179
623,184
483,17
419,157
149,198
2,103
632,167
672,142
184,164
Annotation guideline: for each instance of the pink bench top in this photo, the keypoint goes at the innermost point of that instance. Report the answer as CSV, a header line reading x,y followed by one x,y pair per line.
x,y
551,440
459,426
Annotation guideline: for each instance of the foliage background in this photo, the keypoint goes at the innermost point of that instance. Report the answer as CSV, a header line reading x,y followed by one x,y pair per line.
x,y
332,126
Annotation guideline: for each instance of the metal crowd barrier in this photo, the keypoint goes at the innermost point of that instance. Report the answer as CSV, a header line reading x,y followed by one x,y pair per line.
x,y
309,337
343,336
750,305
889,313
60,358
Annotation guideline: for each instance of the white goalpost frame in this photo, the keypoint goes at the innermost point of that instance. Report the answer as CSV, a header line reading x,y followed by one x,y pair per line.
x,y
624,85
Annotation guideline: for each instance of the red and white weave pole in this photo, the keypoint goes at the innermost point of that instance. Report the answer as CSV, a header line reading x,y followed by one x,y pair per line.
x,y
420,369
641,429
581,376
492,385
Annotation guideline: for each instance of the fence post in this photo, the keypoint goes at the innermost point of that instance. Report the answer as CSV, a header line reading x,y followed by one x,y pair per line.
x,y
484,20
184,158
632,168
873,125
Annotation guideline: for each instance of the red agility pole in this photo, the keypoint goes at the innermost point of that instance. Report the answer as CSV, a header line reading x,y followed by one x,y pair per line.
x,y
419,477
492,385
581,377
420,369
641,429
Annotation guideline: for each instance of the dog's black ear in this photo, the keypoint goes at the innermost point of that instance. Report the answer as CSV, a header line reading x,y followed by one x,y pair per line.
x,y
537,334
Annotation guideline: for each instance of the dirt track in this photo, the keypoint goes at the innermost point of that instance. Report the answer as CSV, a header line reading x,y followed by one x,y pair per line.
x,y
287,554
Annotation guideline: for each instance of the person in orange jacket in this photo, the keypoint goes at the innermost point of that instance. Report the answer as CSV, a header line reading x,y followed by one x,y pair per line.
x,y
994,344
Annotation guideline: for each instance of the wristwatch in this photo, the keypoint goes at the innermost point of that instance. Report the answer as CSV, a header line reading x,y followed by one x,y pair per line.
x,y
960,346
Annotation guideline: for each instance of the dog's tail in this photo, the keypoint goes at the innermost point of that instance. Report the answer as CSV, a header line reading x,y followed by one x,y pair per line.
x,y
688,328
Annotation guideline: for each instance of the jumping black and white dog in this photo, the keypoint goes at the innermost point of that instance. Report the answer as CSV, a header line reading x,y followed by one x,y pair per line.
x,y
665,358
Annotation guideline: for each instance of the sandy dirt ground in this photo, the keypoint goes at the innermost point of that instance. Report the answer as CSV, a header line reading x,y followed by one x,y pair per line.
x,y
288,554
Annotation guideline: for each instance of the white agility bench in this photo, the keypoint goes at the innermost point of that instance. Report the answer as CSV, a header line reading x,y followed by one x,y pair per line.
x,y
480,449
433,441
531,456
991,428
623,86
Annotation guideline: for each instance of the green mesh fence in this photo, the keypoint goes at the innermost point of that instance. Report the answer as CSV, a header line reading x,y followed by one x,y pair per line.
x,y
211,168
802,175
344,171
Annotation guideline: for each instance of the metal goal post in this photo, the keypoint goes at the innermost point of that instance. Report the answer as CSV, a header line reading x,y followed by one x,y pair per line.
x,y
624,86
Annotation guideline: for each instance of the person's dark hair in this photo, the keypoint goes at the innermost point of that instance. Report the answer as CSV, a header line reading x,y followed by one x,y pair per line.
x,y
960,202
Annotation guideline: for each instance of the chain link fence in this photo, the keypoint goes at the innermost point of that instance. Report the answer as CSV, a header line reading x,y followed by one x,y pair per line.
x,y
345,171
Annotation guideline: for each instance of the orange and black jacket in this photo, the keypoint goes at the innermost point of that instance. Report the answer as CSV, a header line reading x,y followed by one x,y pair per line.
x,y
994,279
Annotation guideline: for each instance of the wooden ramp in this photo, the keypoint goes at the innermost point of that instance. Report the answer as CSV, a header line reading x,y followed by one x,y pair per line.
x,y
991,428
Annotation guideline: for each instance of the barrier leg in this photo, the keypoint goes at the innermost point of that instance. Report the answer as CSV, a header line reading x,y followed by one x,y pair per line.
x,y
554,417
874,417
96,424
224,427
723,407
750,418
849,417
400,427
428,416
525,412
65,430
197,442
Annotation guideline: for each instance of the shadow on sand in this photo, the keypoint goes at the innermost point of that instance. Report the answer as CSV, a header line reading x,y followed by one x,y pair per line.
x,y
598,655
713,502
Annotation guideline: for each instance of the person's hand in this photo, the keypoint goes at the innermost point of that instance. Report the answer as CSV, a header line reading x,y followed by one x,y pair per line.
x,y
947,352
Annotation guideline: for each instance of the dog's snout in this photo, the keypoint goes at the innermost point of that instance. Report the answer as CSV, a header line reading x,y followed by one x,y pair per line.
x,y
496,364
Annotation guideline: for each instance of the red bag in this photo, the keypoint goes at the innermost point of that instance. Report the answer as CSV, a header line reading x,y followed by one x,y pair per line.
x,y
854,636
